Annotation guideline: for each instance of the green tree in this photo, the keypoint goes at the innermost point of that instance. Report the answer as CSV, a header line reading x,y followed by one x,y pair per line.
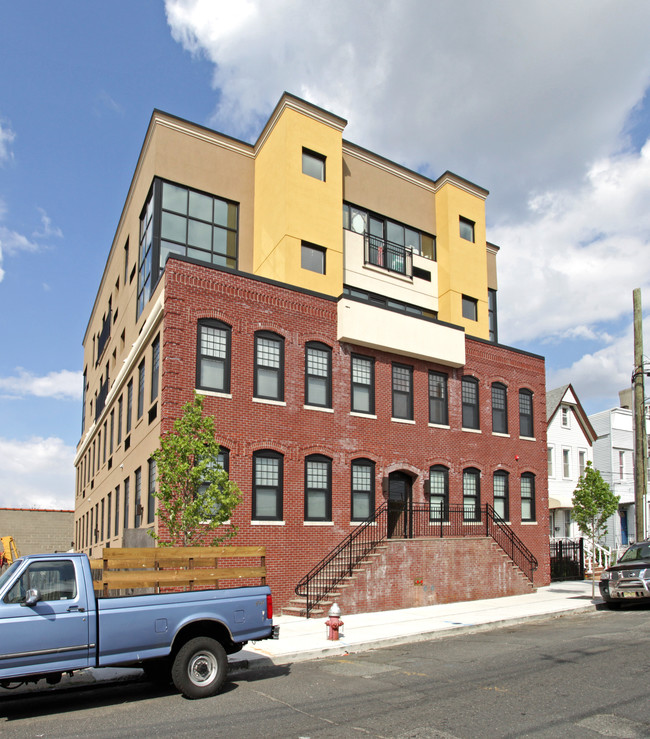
x,y
593,503
196,498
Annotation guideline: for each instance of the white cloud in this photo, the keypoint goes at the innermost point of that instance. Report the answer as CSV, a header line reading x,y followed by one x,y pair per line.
x,y
36,473
47,230
61,385
12,242
7,137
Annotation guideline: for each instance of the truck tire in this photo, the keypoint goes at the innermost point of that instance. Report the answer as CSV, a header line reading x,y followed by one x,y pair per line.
x,y
200,668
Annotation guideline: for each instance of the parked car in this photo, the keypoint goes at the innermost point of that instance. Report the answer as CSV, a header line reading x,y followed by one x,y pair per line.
x,y
629,578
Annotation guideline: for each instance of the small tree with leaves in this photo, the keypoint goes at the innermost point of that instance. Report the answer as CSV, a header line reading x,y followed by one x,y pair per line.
x,y
196,498
593,503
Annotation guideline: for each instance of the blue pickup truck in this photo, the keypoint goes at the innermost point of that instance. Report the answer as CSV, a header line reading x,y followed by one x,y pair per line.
x,y
52,623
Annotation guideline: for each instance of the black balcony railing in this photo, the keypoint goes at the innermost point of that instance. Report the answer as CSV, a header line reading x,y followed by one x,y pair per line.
x,y
390,256
409,521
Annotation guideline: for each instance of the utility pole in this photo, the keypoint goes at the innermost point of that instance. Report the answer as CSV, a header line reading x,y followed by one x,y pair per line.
x,y
640,436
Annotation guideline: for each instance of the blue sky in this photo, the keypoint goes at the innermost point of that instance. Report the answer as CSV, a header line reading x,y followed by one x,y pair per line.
x,y
544,103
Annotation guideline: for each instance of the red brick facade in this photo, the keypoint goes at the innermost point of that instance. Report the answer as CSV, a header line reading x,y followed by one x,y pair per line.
x,y
193,292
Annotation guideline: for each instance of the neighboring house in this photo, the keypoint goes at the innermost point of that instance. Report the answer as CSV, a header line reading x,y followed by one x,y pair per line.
x,y
38,531
569,438
338,313
614,457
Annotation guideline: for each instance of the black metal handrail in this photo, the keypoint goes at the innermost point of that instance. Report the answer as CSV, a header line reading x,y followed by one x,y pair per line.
x,y
415,520
390,256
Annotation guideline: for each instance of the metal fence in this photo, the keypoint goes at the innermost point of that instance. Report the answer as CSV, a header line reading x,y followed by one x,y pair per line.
x,y
567,559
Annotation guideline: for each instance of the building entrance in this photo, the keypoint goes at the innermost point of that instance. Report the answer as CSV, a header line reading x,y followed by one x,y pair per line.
x,y
399,505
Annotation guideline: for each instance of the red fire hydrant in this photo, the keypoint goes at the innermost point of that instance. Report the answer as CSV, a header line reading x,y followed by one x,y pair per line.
x,y
334,622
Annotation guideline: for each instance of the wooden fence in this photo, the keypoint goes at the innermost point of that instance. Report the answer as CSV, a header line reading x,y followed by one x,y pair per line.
x,y
177,568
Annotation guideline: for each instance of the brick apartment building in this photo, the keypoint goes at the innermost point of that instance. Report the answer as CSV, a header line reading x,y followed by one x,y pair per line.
x,y
338,313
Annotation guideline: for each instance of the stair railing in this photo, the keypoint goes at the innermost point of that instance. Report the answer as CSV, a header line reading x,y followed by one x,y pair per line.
x,y
596,556
511,544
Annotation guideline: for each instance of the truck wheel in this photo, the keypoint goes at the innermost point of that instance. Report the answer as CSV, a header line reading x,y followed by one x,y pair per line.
x,y
200,668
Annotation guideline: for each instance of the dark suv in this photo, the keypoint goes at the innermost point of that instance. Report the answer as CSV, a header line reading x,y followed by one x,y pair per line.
x,y
629,578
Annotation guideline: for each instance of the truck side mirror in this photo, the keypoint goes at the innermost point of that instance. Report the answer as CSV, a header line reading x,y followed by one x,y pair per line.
x,y
32,597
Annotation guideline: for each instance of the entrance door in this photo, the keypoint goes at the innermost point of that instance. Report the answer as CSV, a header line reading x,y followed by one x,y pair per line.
x,y
399,506
623,516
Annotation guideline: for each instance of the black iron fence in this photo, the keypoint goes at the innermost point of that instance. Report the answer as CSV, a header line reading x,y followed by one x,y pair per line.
x,y
395,520
567,559
390,256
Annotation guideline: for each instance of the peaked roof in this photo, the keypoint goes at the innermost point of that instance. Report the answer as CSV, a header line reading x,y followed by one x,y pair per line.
x,y
554,399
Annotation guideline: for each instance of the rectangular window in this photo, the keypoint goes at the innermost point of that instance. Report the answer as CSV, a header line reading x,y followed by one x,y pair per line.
x,y
269,366
469,394
470,308
318,375
138,497
501,503
141,389
550,465
318,488
363,489
438,493
105,442
582,462
101,528
402,391
621,465
471,495
466,229
438,399
267,486
565,417
499,408
109,508
312,258
126,262
117,511
129,405
213,356
313,164
527,497
155,367
120,403
151,492
127,493
566,463
526,413
363,384
492,315
112,432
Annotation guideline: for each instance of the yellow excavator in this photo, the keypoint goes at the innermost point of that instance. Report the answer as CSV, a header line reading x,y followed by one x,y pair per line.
x,y
9,551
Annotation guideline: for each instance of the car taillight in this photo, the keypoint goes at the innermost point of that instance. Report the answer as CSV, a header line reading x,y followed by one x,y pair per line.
x,y
269,606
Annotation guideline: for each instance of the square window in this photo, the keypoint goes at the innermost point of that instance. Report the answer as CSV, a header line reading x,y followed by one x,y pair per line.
x,y
312,258
470,308
466,229
313,164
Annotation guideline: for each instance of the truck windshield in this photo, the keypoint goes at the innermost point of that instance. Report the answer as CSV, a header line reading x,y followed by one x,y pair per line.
x,y
634,553
9,572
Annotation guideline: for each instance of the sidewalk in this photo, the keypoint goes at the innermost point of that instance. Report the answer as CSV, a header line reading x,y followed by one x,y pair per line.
x,y
304,639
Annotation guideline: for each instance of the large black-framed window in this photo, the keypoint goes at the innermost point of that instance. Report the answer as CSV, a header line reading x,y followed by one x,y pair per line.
x,y
129,405
471,494
438,493
141,368
499,408
223,461
267,485
313,164
466,228
362,503
151,491
269,366
117,511
492,315
363,384
501,491
526,413
438,398
191,223
120,410
155,367
318,488
127,495
469,391
527,496
402,375
318,375
213,356
138,497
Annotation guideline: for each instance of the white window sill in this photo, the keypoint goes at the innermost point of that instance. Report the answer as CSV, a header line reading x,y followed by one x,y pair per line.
x,y
529,523
472,431
439,426
358,523
267,523
318,408
403,420
356,414
214,394
527,438
268,401
318,523
498,433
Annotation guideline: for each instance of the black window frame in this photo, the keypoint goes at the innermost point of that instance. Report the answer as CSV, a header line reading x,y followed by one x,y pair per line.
x,y
151,490
129,406
268,454
499,408
438,402
357,494
398,394
137,506
310,254
356,385
493,315
441,510
317,346
141,382
278,371
469,308
318,160
470,408
526,427
474,473
469,224
529,497
213,323
155,368
505,476
327,490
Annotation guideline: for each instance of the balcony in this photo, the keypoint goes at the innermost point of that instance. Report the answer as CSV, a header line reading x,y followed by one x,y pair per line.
x,y
389,256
